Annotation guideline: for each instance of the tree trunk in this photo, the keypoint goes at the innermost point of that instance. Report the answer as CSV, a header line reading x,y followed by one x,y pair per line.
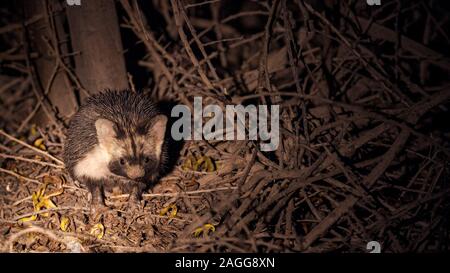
x,y
95,36
42,36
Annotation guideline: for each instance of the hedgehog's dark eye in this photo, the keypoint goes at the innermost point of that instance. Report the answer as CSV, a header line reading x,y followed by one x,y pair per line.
x,y
122,161
147,159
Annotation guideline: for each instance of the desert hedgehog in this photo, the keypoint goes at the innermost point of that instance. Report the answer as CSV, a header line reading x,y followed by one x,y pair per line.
x,y
116,139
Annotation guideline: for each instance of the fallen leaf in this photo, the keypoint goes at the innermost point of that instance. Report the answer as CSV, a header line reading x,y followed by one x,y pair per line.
x,y
205,229
28,219
33,130
41,201
198,231
39,143
64,223
203,164
188,164
172,209
98,231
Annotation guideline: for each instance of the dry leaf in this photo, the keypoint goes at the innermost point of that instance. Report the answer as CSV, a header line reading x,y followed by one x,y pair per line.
x,y
98,231
41,201
64,223
172,209
205,230
39,143
202,164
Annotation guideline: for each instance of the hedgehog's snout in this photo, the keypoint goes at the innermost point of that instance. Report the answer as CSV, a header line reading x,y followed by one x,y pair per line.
x,y
135,172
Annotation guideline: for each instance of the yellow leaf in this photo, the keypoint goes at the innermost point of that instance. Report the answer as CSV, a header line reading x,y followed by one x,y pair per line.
x,y
37,196
205,230
198,163
39,143
209,227
98,231
40,201
64,223
164,211
33,130
28,219
204,163
173,211
198,231
209,164
187,166
47,204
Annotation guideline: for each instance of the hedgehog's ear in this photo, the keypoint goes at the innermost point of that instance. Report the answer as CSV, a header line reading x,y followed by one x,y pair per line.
x,y
156,131
105,130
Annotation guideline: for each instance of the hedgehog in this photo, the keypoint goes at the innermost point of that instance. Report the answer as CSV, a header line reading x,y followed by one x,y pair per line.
x,y
116,140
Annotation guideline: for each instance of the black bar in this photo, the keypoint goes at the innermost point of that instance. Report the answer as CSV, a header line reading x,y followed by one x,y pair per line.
x,y
226,262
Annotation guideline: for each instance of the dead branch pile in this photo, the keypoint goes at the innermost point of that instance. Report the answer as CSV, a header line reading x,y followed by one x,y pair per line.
x,y
364,141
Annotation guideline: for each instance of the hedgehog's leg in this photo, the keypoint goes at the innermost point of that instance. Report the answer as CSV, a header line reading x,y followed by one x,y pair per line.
x,y
136,190
97,199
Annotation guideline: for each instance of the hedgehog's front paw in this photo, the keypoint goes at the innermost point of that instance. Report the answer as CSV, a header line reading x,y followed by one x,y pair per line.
x,y
134,200
98,208
97,204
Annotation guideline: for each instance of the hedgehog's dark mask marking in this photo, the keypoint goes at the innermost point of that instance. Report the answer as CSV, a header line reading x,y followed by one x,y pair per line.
x,y
134,151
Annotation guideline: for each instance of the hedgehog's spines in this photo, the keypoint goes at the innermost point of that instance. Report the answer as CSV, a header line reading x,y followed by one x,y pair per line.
x,y
126,109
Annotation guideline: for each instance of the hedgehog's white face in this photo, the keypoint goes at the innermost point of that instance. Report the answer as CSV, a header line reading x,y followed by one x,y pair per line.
x,y
133,152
